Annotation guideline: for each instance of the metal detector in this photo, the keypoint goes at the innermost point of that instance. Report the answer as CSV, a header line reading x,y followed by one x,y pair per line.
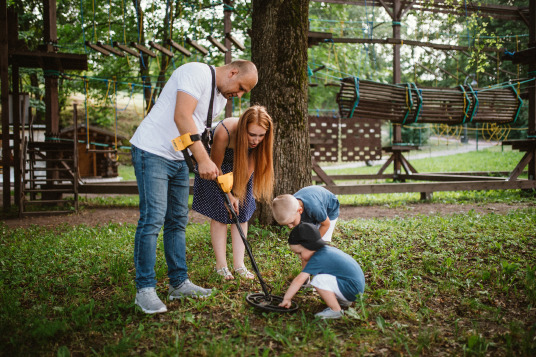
x,y
265,300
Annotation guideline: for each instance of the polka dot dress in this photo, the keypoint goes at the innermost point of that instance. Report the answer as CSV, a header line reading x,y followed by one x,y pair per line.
x,y
208,198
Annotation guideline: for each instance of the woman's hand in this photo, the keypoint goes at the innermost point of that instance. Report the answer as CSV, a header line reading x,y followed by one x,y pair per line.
x,y
234,203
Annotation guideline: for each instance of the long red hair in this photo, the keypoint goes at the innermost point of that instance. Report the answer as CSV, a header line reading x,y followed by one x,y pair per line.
x,y
263,176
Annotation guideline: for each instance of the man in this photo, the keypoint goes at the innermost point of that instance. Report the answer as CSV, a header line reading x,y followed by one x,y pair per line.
x,y
162,172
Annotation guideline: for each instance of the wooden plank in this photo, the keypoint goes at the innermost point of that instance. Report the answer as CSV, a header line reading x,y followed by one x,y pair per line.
x,y
126,49
447,177
322,174
48,60
235,41
111,49
179,48
431,187
143,49
98,48
394,41
217,43
161,49
529,155
197,46
4,80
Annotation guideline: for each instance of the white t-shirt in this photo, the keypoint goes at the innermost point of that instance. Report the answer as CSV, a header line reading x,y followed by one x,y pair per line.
x,y
158,128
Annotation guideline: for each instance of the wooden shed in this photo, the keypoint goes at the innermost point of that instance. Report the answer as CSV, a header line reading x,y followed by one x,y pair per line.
x,y
99,157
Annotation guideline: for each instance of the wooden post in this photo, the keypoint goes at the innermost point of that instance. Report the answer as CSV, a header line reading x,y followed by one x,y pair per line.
x,y
16,102
228,55
4,77
397,129
532,89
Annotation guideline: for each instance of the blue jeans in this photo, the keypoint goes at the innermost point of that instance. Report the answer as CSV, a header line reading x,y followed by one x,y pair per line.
x,y
164,187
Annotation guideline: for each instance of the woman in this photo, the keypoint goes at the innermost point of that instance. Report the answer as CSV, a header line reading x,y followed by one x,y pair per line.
x,y
244,146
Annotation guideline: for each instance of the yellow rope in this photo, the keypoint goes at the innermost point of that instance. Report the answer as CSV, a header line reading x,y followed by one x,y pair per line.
x,y
124,32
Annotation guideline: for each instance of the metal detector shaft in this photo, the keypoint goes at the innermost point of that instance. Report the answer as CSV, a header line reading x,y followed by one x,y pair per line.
x,y
264,286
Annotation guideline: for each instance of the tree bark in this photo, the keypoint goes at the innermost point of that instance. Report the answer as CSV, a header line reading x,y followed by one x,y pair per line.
x,y
279,50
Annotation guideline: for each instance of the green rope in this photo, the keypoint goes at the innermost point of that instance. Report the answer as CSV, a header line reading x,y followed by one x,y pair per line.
x,y
466,107
408,93
475,107
520,102
56,139
419,96
356,84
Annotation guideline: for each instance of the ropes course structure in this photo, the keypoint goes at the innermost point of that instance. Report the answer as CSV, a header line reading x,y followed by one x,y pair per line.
x,y
491,110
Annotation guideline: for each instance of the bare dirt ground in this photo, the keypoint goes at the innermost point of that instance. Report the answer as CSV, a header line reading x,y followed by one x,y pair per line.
x,y
99,216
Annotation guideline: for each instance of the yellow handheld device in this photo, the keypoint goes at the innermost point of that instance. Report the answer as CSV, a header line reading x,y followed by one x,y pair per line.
x,y
184,141
226,182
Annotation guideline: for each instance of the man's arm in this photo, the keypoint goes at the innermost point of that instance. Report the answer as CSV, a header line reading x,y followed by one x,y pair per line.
x,y
184,109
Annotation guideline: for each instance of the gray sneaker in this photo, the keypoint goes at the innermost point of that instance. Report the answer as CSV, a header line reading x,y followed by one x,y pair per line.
x,y
345,304
188,289
149,302
329,314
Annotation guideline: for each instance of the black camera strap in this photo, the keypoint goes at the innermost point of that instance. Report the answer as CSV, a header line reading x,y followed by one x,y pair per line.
x,y
206,136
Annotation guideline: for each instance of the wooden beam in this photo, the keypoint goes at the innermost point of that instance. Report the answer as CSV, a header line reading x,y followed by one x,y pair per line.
x,y
97,48
126,49
197,46
160,48
48,60
110,49
388,9
4,85
235,41
179,48
143,49
431,187
394,41
440,6
529,155
218,44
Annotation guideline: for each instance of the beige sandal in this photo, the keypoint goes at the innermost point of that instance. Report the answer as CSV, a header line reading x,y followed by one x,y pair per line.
x,y
225,273
244,273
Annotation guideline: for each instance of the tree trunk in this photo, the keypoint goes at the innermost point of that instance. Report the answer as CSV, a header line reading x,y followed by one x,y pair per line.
x,y
279,50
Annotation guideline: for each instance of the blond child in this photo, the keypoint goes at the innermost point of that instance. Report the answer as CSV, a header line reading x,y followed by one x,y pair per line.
x,y
312,204
338,278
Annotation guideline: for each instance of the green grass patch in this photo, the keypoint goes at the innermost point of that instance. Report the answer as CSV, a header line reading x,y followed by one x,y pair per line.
x,y
438,285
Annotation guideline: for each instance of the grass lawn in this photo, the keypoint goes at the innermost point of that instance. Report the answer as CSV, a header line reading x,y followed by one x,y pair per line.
x,y
461,284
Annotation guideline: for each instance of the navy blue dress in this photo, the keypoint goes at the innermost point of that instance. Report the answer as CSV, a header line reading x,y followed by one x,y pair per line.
x,y
208,199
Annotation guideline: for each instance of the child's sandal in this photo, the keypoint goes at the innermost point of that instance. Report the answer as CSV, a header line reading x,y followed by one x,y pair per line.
x,y
225,273
244,273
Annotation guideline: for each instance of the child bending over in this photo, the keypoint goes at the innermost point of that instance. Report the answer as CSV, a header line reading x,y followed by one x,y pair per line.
x,y
338,278
312,204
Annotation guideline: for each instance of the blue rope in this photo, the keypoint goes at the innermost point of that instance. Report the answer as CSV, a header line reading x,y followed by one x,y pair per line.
x,y
419,96
408,93
356,84
520,103
83,31
475,107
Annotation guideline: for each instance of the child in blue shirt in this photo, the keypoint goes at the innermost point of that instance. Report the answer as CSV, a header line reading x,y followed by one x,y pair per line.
x,y
338,278
312,204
